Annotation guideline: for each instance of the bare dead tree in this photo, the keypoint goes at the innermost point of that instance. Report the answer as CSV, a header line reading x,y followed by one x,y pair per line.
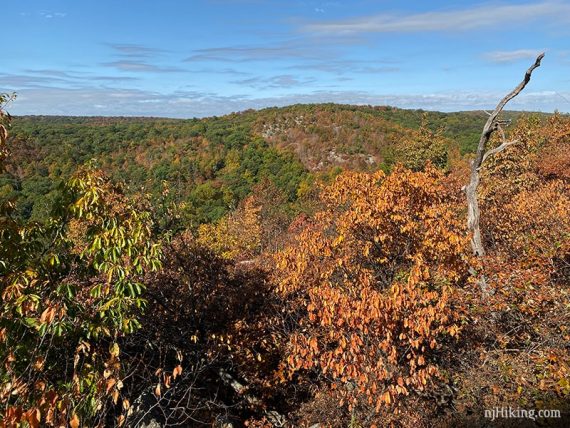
x,y
493,124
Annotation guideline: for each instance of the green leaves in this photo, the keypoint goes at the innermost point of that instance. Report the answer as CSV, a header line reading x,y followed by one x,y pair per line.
x,y
70,282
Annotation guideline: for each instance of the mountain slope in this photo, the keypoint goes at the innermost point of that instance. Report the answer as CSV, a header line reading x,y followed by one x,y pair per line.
x,y
211,164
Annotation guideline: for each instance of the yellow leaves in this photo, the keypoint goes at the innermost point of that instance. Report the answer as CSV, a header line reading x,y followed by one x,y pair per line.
x,y
237,234
339,239
157,390
453,330
114,350
401,390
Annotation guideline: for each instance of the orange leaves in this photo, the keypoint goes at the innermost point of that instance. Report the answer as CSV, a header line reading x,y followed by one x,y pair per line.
x,y
32,417
39,363
453,330
313,344
48,315
369,274
110,384
177,371
12,416
74,421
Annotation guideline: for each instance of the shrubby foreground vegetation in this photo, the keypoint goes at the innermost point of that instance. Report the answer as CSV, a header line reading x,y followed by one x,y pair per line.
x,y
289,267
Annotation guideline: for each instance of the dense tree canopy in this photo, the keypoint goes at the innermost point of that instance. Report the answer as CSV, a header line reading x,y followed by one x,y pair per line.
x,y
302,265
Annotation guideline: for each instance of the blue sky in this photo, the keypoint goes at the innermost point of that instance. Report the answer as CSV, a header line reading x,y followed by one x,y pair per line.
x,y
191,58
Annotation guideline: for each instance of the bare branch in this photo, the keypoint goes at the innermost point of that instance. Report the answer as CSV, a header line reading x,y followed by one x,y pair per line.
x,y
512,94
492,125
498,149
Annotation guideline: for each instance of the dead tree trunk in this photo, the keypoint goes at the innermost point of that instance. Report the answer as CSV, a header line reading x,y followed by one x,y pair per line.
x,y
492,125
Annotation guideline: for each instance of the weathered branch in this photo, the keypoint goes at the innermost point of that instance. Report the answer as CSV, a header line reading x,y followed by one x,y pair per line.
x,y
498,149
482,154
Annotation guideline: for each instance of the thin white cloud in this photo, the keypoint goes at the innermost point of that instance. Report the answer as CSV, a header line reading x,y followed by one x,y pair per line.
x,y
281,81
38,78
352,66
252,53
51,15
135,50
140,67
511,56
474,18
132,102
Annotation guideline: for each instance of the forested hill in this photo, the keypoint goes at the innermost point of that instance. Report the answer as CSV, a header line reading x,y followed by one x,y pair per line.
x,y
211,164
293,267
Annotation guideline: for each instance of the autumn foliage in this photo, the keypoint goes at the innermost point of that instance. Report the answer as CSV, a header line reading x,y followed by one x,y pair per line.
x,y
373,280
345,297
70,288
237,234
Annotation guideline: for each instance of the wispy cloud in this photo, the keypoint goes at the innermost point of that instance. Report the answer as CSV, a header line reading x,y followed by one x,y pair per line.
x,y
350,66
511,56
42,78
140,67
254,53
228,71
106,101
281,81
113,78
135,50
52,72
16,81
478,17
51,15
